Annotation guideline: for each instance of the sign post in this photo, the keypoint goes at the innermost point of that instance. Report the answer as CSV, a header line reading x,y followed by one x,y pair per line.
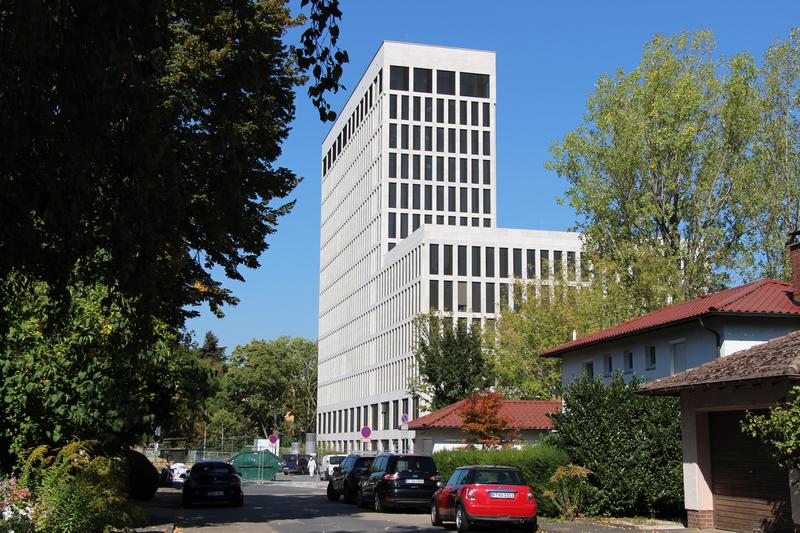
x,y
404,428
366,433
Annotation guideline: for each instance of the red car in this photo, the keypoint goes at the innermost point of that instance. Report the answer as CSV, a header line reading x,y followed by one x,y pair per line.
x,y
485,495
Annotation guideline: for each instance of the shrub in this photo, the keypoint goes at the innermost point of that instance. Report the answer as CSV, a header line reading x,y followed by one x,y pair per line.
x,y
632,444
76,491
570,490
141,476
537,464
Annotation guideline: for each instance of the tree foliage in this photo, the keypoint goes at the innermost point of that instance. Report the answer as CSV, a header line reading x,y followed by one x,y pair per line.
x,y
450,360
149,131
549,316
631,443
482,419
668,171
779,429
273,384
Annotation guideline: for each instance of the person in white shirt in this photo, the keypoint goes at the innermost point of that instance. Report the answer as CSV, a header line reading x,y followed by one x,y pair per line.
x,y
312,466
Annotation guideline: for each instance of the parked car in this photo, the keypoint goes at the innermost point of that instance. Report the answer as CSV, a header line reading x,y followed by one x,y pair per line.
x,y
485,495
346,477
399,480
329,462
294,463
179,472
212,481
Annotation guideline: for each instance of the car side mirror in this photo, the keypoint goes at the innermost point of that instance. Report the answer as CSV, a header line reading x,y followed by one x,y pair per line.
x,y
439,484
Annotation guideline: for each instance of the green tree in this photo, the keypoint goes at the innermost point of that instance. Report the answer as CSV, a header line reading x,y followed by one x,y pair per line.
x,y
632,444
775,192
658,171
549,316
450,360
211,351
779,429
273,385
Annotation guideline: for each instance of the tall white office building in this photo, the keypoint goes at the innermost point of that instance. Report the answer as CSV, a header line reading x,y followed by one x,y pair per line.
x,y
408,225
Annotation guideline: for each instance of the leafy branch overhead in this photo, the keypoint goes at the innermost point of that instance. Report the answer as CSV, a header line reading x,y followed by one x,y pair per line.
x,y
320,53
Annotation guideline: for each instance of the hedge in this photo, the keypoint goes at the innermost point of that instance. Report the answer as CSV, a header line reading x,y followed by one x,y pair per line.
x,y
537,463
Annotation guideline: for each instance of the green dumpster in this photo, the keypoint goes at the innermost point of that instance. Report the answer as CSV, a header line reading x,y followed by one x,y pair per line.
x,y
261,465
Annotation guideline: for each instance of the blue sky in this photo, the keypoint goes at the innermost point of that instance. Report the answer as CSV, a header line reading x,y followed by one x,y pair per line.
x,y
549,55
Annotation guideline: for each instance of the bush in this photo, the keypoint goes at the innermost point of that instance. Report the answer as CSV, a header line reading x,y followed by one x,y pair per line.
x,y
16,507
537,464
632,444
570,490
76,491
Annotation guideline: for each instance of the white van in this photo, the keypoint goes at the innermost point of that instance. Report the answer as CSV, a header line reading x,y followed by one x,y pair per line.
x,y
329,462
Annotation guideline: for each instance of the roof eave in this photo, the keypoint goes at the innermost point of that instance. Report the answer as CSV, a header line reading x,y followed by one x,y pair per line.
x,y
676,390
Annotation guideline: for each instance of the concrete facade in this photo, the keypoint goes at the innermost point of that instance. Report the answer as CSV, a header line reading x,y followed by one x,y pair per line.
x,y
408,223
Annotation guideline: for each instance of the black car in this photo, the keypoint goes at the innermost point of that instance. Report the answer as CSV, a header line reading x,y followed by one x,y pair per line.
x,y
399,480
294,463
347,476
212,481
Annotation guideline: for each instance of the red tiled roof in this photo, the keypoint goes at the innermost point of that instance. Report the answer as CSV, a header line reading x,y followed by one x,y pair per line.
x,y
521,414
777,358
765,296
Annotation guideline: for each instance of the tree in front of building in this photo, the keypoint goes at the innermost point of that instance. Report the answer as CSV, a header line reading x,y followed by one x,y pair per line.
x,y
779,429
684,171
483,422
450,360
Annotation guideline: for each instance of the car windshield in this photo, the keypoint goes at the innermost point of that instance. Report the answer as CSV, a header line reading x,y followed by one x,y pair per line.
x,y
213,469
364,462
497,477
415,464
336,459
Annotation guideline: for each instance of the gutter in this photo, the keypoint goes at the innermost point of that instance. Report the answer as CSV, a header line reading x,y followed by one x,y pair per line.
x,y
715,332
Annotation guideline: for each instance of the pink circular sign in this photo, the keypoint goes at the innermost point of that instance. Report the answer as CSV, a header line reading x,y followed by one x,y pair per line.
x,y
366,432
273,438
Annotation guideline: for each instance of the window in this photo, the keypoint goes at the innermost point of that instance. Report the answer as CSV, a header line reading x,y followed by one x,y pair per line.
x,y
571,267
608,364
428,138
462,296
490,305
392,165
416,168
415,198
374,415
504,294
489,262
650,357
476,171
517,263
445,82
417,138
423,80
486,119
440,198
475,113
429,110
440,140
448,296
462,260
392,195
475,206
428,168
487,201
476,85
417,108
451,199
433,293
463,167
476,297
486,143
385,415
448,259
440,110
627,357
392,135
392,106
588,369
451,140
404,195
404,107
403,225
487,172
463,200
451,169
396,413
404,136
433,259
398,79
463,112
439,168
463,141
531,256
476,261
503,262
392,225
429,198
544,263
451,112
404,166
475,141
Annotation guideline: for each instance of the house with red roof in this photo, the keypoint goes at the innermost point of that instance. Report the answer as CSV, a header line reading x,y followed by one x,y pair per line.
x,y
441,430
685,335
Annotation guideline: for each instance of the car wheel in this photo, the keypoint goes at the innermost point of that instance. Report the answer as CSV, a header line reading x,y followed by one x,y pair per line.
x,y
436,520
186,502
332,494
349,495
462,524
377,503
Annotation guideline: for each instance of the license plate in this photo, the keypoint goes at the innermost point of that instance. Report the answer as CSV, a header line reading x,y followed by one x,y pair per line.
x,y
501,495
415,481
216,493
